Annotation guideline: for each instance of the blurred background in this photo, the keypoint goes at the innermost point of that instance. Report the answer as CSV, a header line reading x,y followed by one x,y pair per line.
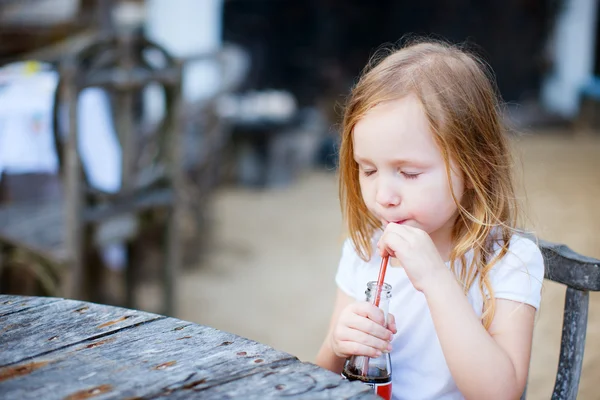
x,y
178,156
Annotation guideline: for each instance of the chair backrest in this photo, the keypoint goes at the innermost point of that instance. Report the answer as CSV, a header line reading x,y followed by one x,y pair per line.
x,y
120,65
115,63
580,274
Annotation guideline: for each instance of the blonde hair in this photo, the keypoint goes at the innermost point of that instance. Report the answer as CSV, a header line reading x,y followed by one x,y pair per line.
x,y
460,100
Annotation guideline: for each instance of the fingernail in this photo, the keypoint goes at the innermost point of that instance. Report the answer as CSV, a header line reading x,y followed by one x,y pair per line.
x,y
378,353
389,348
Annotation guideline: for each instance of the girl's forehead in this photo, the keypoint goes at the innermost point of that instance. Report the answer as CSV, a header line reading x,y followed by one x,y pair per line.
x,y
403,111
398,127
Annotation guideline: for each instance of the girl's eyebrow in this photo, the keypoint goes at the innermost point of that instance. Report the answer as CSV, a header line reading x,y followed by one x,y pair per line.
x,y
399,161
408,161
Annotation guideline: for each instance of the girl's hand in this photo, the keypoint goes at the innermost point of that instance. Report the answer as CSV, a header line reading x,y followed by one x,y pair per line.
x,y
415,251
360,331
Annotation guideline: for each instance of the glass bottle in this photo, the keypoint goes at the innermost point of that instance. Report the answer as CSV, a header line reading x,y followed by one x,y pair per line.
x,y
375,372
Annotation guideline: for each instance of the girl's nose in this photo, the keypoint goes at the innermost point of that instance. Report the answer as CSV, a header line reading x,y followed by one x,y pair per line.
x,y
386,195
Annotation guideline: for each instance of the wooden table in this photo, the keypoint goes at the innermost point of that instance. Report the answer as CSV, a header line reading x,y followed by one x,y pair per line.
x,y
53,348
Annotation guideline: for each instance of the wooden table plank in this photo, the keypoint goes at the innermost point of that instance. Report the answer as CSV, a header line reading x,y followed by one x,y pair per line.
x,y
154,358
14,304
162,357
61,323
292,381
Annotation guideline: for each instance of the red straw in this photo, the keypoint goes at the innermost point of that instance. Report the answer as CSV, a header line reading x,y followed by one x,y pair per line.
x,y
380,279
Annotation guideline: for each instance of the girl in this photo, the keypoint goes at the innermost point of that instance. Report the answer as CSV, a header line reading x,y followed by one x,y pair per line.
x,y
425,178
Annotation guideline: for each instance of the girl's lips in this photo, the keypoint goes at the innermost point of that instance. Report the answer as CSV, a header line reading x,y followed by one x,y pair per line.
x,y
400,222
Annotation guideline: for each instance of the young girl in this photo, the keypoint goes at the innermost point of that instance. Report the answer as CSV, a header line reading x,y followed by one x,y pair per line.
x,y
425,178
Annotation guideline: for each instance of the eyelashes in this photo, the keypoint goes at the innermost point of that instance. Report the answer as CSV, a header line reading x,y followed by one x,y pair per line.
x,y
410,175
407,175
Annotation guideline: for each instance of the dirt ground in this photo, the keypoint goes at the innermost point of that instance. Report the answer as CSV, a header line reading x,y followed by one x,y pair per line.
x,y
269,273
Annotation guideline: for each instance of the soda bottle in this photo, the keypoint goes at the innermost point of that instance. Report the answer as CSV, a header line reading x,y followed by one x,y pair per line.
x,y
375,372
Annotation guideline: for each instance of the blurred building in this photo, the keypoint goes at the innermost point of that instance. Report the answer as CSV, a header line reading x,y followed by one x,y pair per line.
x,y
541,51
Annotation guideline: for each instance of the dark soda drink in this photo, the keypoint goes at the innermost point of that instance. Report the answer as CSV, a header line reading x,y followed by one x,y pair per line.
x,y
377,371
380,380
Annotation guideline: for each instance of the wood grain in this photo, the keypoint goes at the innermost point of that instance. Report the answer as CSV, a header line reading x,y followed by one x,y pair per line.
x,y
68,349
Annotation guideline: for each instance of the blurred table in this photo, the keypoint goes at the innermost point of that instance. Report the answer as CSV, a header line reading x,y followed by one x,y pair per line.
x,y
53,348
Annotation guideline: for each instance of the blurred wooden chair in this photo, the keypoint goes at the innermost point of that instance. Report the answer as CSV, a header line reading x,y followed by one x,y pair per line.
x,y
580,274
207,133
58,234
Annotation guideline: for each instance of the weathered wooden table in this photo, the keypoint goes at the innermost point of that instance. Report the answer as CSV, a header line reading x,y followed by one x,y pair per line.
x,y
53,348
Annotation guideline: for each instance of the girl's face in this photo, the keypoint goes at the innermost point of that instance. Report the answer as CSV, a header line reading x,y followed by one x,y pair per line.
x,y
402,174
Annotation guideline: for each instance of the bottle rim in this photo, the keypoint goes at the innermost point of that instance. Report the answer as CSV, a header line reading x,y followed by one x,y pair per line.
x,y
386,287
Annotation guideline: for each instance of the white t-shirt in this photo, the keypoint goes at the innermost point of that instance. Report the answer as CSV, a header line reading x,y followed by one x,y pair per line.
x,y
419,369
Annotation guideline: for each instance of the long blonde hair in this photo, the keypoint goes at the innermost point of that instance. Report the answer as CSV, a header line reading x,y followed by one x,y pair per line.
x,y
460,100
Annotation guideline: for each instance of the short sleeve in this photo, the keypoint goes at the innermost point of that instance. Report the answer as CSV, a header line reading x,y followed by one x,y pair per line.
x,y
519,275
348,270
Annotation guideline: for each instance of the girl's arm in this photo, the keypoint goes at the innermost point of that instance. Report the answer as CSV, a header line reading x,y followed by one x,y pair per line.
x,y
490,365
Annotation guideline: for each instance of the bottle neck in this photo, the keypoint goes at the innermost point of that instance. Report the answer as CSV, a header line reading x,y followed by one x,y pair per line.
x,y
381,293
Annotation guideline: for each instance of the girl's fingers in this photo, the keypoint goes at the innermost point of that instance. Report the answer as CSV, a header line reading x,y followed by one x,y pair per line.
x,y
392,324
358,349
392,243
368,310
370,328
348,336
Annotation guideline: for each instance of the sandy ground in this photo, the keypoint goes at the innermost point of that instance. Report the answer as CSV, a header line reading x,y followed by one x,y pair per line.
x,y
269,273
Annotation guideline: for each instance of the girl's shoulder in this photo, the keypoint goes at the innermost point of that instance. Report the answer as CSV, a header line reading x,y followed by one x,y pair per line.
x,y
349,248
350,253
521,246
350,268
518,275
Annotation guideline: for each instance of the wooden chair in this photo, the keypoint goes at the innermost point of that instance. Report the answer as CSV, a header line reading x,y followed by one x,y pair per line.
x,y
207,135
60,233
581,275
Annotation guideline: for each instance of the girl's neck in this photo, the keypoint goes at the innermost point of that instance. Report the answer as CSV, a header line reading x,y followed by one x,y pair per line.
x,y
445,249
443,239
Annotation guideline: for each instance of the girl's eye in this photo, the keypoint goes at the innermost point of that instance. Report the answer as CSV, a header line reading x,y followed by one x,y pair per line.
x,y
368,172
409,175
